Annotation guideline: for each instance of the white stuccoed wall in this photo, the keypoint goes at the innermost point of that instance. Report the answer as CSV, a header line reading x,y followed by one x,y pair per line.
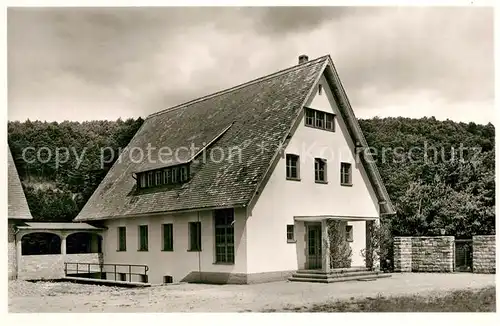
x,y
281,199
180,262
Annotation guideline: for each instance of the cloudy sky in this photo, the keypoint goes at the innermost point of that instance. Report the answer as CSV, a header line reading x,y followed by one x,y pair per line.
x,y
87,64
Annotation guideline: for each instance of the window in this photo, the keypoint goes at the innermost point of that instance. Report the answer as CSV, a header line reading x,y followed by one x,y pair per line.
x,y
122,277
166,176
168,237
143,238
320,170
320,120
158,178
345,174
290,234
142,181
309,118
320,89
195,236
348,233
329,124
292,166
184,173
150,179
175,175
122,238
224,236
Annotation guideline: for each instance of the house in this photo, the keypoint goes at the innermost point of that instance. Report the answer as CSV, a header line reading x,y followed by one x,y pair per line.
x,y
239,186
39,250
18,212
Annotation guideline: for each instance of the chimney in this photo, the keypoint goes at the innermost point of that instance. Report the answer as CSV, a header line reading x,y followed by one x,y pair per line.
x,y
303,58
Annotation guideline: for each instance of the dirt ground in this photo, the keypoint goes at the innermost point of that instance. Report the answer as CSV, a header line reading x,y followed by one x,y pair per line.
x,y
71,297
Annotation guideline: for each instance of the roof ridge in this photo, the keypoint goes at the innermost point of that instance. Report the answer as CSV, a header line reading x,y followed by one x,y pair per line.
x,y
227,90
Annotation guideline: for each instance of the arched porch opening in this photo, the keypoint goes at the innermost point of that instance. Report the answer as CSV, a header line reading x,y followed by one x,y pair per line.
x,y
40,243
83,243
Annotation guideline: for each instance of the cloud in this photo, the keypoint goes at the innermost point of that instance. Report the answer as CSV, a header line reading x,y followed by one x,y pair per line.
x,y
105,63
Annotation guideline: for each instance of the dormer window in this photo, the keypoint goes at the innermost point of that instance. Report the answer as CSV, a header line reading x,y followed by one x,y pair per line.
x,y
160,177
150,179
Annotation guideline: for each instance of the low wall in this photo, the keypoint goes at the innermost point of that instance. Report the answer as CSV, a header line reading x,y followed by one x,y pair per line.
x,y
12,255
483,254
402,254
424,254
46,267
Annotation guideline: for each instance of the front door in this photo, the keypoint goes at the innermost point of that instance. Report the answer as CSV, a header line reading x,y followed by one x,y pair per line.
x,y
314,258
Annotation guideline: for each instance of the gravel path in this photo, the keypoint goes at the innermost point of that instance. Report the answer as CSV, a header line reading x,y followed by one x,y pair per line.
x,y
71,297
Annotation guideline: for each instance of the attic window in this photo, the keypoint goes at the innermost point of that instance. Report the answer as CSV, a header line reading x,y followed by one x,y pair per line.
x,y
319,119
320,89
161,177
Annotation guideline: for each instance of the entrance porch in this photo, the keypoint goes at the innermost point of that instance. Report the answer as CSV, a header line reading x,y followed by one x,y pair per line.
x,y
334,248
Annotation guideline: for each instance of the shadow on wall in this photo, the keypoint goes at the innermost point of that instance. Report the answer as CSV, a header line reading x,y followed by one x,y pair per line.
x,y
40,243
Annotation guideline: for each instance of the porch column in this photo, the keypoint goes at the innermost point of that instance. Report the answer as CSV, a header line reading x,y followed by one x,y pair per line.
x,y
325,246
19,248
63,244
369,244
372,259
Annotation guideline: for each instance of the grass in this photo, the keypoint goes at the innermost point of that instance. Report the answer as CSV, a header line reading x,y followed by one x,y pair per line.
x,y
479,300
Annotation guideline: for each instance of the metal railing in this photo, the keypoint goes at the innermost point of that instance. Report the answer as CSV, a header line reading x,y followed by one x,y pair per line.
x,y
116,269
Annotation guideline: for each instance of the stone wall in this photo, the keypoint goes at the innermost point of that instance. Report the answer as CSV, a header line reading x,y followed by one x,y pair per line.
x,y
433,254
46,267
12,256
483,254
424,254
402,254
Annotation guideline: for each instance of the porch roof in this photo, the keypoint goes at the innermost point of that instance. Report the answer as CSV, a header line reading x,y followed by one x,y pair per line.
x,y
57,226
313,218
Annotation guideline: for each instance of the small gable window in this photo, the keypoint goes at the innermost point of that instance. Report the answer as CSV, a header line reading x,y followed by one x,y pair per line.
x,y
320,170
319,119
320,89
345,174
292,167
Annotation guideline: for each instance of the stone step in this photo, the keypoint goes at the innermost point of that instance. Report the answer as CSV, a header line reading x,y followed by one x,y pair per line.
x,y
339,279
335,270
334,275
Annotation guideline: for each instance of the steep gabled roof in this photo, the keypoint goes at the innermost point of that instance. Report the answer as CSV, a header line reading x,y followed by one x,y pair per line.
x,y
18,206
255,117
386,207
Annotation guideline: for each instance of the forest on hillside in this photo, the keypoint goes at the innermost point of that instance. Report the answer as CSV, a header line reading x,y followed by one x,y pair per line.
x,y
440,175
